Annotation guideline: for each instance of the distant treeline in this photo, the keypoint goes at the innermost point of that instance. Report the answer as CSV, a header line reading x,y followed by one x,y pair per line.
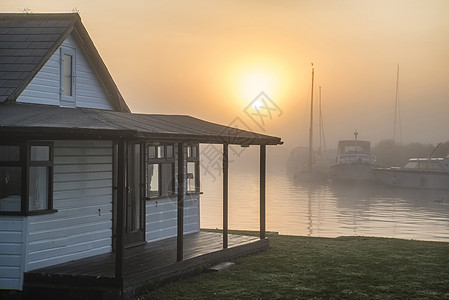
x,y
389,153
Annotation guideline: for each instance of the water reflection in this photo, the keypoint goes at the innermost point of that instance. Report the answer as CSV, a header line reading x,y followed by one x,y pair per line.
x,y
329,210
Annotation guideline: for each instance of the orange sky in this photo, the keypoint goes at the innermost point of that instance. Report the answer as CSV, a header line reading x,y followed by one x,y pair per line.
x,y
210,59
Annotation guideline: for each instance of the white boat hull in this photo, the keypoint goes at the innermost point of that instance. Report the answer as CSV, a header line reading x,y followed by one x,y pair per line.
x,y
352,172
414,178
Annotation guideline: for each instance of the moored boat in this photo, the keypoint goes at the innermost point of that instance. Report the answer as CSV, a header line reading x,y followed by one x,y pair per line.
x,y
429,173
312,170
354,162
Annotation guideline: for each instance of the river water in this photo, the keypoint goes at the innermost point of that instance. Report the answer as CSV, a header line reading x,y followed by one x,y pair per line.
x,y
326,210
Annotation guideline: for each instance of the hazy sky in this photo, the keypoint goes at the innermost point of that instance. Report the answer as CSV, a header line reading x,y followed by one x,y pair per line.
x,y
210,59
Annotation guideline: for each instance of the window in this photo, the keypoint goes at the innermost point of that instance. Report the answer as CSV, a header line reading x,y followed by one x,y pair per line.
x,y
434,166
160,170
26,178
191,177
423,165
153,180
40,165
10,178
193,182
411,165
67,77
9,153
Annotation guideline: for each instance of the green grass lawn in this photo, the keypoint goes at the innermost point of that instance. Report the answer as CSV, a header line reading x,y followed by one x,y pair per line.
x,y
325,268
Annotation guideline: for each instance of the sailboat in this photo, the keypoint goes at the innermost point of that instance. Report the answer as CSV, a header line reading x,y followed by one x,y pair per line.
x,y
322,164
397,131
311,173
423,172
354,161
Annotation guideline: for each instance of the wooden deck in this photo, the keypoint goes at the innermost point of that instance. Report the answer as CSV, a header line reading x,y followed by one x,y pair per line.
x,y
143,264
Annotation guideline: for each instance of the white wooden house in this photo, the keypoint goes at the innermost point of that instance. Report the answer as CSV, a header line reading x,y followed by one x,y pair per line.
x,y
80,175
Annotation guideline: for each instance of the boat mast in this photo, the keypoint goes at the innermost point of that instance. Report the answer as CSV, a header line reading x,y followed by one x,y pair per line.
x,y
310,164
397,113
322,139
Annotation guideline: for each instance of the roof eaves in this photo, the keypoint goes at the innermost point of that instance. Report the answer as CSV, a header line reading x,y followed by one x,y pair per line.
x,y
243,141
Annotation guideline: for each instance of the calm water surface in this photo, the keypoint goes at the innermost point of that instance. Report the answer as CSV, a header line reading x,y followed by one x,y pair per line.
x,y
327,210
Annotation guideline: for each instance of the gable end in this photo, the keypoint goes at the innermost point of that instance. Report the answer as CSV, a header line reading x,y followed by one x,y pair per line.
x,y
28,42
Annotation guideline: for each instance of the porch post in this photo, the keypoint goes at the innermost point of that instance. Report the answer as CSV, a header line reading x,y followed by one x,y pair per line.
x,y
225,196
121,210
263,154
180,236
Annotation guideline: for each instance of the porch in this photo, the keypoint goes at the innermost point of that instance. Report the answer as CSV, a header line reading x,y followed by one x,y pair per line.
x,y
144,264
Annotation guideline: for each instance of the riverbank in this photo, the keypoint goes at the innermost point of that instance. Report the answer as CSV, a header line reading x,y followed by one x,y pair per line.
x,y
324,268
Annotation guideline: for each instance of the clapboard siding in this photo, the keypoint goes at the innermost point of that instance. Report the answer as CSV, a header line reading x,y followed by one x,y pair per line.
x,y
73,239
96,201
45,87
80,229
82,194
70,177
81,150
64,169
69,252
89,90
161,217
76,218
81,184
12,251
76,160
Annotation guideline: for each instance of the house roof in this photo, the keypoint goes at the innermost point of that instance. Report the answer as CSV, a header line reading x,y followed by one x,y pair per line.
x,y
27,41
53,122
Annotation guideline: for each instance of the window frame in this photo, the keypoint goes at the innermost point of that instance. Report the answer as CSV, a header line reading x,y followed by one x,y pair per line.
x,y
25,163
160,161
192,155
49,165
66,100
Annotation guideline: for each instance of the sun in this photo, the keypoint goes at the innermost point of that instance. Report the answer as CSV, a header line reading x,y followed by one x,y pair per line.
x,y
255,80
247,76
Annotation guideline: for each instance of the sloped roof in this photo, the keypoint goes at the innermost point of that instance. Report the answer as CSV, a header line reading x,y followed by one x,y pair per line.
x,y
27,41
45,121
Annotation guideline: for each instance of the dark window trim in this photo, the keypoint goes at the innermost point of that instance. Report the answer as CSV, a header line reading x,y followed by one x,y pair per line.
x,y
41,212
173,195
196,160
159,161
173,160
172,163
25,163
66,98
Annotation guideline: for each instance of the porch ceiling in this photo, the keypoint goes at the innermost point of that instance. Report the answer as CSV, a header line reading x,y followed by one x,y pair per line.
x,y
55,122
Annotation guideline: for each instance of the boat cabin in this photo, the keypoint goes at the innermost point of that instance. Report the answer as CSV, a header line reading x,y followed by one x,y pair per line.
x,y
422,173
91,195
429,164
350,151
